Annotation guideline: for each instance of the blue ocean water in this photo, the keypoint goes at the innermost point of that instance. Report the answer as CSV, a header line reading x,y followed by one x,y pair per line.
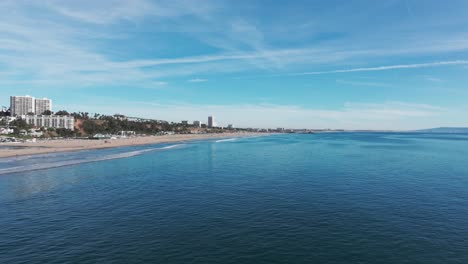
x,y
320,198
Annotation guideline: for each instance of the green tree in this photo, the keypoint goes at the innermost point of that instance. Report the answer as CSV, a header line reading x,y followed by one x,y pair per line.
x,y
62,113
20,124
90,127
63,132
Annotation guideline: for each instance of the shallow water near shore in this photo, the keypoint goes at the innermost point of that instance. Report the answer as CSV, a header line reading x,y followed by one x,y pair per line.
x,y
5,147
320,198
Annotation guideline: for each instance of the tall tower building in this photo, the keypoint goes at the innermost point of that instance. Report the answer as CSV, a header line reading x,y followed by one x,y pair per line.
x,y
211,121
42,105
22,105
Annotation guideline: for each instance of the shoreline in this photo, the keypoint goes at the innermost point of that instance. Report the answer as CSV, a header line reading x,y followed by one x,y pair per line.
x,y
70,145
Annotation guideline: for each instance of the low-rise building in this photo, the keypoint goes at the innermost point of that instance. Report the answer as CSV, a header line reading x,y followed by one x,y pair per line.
x,y
35,133
196,123
54,121
126,133
6,131
102,136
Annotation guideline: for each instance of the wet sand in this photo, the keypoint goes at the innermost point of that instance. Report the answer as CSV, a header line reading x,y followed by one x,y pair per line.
x,y
63,145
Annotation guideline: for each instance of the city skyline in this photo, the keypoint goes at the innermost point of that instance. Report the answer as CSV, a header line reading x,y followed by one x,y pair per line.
x,y
399,65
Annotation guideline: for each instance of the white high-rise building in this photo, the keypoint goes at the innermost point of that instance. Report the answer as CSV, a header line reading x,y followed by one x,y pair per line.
x,y
211,121
42,105
22,105
196,123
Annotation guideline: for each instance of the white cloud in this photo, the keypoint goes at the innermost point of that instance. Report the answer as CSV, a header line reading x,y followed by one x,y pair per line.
x,y
390,67
57,52
433,79
387,115
359,83
102,12
112,11
197,80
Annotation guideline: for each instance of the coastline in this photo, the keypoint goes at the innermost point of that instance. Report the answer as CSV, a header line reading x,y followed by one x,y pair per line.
x,y
69,145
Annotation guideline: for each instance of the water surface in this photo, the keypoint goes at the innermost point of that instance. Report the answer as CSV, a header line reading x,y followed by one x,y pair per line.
x,y
322,198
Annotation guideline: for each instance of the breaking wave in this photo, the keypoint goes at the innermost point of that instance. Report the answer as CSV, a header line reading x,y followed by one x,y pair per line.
x,y
62,163
226,140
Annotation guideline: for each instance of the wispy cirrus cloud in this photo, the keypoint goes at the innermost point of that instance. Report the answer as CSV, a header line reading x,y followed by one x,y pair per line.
x,y
389,67
103,12
112,11
360,83
57,50
197,80
433,79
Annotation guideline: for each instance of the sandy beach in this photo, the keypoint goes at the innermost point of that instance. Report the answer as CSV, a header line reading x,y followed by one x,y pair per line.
x,y
64,145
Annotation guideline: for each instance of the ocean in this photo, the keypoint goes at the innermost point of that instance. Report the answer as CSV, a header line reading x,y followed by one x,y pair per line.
x,y
316,198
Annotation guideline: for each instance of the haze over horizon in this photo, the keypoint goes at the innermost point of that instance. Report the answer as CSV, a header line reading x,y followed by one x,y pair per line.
x,y
398,65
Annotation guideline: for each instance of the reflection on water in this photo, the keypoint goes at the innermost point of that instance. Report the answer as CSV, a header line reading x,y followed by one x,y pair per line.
x,y
29,184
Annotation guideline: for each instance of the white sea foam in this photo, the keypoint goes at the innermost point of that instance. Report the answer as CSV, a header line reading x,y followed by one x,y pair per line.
x,y
35,156
172,146
56,164
226,140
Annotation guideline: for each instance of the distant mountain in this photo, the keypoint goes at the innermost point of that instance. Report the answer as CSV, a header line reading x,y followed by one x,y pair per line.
x,y
444,130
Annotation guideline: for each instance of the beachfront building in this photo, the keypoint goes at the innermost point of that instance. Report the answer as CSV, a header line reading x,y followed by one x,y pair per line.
x,y
54,121
196,123
230,126
127,133
42,105
6,131
184,122
211,121
22,105
35,133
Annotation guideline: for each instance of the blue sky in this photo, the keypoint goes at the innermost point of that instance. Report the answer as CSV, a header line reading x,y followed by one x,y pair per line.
x,y
399,64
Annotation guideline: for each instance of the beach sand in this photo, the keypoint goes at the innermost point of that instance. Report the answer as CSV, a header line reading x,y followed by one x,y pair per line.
x,y
63,145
